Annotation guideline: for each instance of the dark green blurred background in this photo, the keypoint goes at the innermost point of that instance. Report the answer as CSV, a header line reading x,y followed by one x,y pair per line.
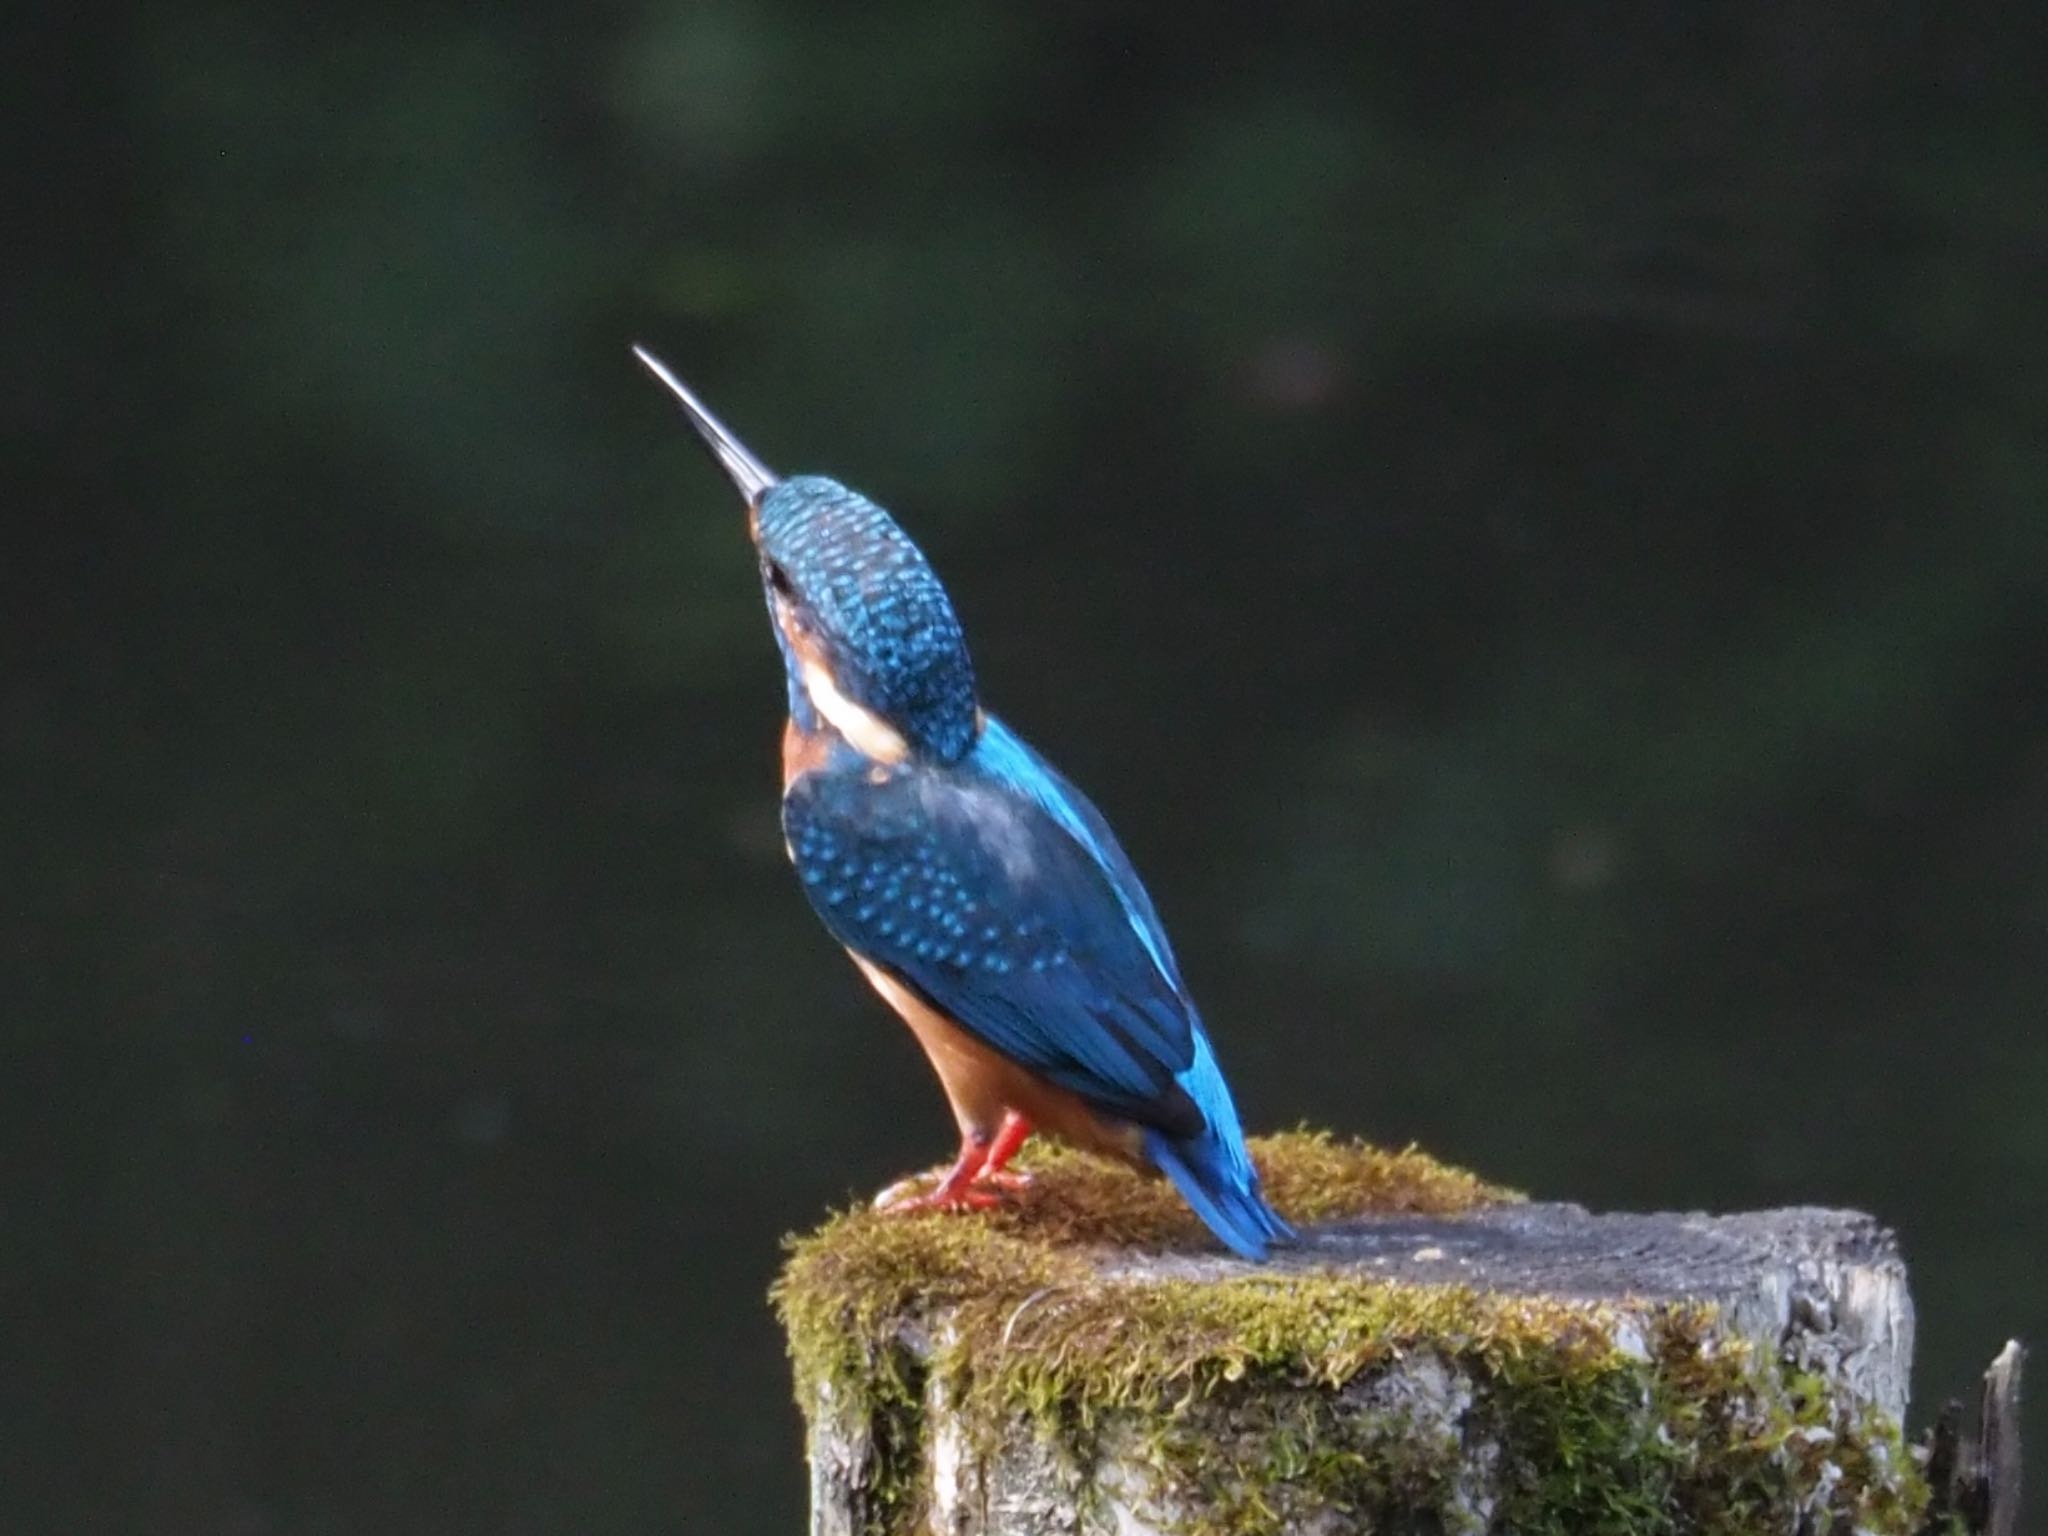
x,y
1533,529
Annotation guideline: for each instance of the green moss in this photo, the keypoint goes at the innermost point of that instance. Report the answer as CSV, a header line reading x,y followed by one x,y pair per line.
x,y
894,1411
1261,1396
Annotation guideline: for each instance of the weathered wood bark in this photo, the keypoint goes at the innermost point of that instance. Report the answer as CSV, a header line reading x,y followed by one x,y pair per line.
x,y
1975,1477
1818,1297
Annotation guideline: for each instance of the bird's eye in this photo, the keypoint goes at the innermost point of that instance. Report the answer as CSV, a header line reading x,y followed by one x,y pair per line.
x,y
778,581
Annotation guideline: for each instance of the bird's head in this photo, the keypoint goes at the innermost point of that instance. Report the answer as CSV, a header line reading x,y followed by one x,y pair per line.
x,y
868,636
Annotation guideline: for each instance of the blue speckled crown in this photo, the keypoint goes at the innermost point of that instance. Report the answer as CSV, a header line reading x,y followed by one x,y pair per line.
x,y
893,641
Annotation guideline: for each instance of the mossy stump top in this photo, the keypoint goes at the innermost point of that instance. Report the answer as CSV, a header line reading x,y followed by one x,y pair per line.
x,y
1437,1355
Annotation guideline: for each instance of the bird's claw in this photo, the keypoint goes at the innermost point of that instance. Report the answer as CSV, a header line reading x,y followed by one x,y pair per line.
x,y
971,1198
977,1181
916,1194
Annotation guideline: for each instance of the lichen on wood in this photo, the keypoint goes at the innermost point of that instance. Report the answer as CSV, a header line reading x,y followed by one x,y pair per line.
x,y
1433,1357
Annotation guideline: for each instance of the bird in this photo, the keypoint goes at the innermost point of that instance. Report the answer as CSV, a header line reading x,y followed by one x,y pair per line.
x,y
979,892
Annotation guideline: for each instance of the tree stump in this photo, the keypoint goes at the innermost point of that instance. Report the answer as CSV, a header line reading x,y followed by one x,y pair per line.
x,y
1435,1356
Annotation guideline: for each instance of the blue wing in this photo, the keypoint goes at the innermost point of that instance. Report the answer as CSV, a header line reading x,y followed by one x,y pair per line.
x,y
977,893
1004,756
1213,1171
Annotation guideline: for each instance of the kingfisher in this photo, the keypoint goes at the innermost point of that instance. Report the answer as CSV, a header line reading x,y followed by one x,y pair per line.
x,y
981,894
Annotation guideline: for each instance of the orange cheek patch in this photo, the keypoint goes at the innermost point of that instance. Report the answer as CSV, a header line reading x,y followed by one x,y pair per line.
x,y
867,732
802,751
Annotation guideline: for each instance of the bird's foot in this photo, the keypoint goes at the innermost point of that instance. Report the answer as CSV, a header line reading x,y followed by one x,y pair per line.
x,y
1010,1181
1008,1140
969,1185
907,1197
977,1181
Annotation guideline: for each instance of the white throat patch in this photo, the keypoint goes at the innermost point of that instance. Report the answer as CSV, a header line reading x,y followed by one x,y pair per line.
x,y
865,731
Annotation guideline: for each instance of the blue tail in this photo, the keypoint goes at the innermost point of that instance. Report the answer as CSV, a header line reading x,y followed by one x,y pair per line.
x,y
1218,1180
1212,1171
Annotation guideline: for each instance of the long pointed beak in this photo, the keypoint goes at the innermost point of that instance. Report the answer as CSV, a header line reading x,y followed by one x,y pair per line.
x,y
753,478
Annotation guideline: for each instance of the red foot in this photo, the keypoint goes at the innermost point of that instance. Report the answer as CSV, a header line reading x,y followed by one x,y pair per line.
x,y
977,1181
899,1202
995,1170
1010,1181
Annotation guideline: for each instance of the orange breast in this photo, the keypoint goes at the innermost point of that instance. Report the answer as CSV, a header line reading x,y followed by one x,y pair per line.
x,y
981,1083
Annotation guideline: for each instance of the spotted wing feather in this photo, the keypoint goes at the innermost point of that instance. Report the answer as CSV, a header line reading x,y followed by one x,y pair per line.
x,y
978,898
